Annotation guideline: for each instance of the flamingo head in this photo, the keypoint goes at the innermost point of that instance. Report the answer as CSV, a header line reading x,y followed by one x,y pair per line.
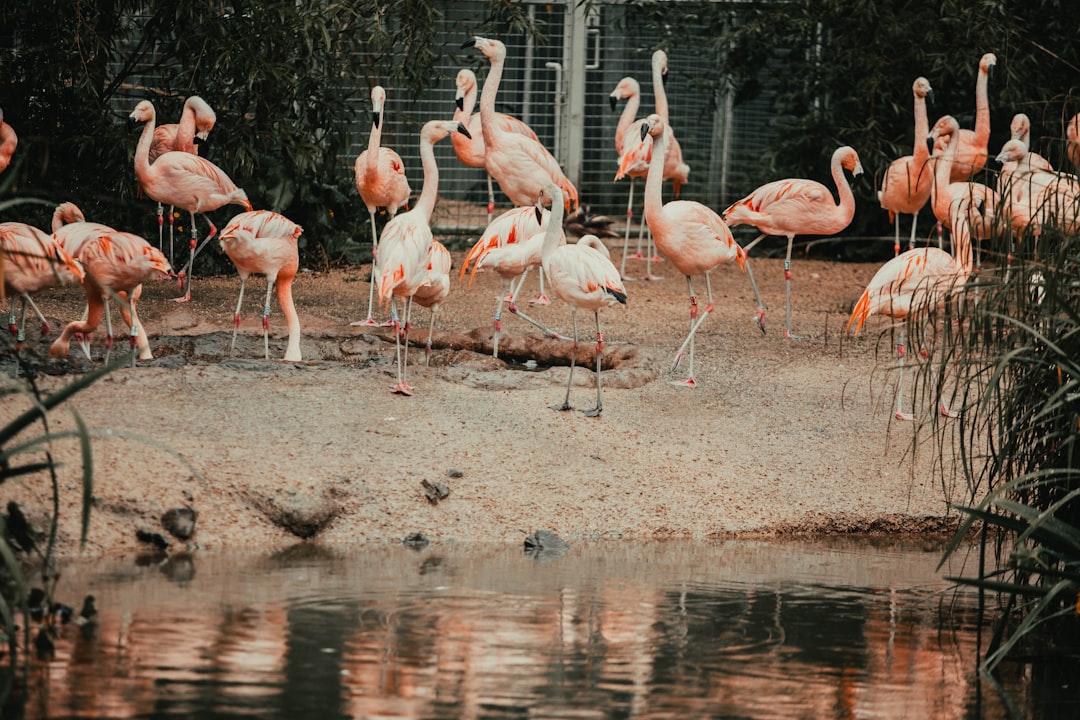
x,y
378,99
1020,128
466,83
849,160
65,213
628,87
946,126
659,62
143,113
987,63
1012,151
921,89
654,125
493,50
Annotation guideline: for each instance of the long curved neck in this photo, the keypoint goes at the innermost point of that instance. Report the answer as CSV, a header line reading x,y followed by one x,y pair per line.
x,y
654,180
843,189
142,150
487,99
942,171
185,130
626,119
922,128
468,104
374,141
425,204
658,92
554,227
982,108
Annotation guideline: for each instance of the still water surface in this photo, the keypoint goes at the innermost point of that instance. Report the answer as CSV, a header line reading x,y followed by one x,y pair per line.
x,y
740,629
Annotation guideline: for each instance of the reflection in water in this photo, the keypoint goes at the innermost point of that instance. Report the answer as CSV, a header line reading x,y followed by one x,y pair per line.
x,y
740,629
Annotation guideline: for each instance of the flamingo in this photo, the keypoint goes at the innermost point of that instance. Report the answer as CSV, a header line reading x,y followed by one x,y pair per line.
x,y
32,261
405,246
381,182
435,288
583,277
917,281
1019,130
115,262
8,142
799,207
905,188
522,166
183,180
973,150
1072,140
1034,197
627,133
471,152
983,206
197,119
265,242
692,237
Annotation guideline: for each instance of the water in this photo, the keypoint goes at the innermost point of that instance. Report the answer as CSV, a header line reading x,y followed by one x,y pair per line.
x,y
741,629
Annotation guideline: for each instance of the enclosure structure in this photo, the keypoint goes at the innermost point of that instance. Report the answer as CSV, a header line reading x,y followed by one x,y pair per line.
x,y
560,87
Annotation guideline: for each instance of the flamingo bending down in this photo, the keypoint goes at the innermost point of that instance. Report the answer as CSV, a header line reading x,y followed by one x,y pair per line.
x,y
905,188
692,237
8,142
183,180
973,150
583,277
115,262
522,166
435,288
265,242
917,281
471,151
381,182
405,246
799,207
32,261
197,119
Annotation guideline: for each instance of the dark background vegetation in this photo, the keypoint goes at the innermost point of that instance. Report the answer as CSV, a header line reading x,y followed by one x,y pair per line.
x,y
279,74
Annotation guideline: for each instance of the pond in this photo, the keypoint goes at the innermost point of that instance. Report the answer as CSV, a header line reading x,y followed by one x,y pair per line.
x,y
832,628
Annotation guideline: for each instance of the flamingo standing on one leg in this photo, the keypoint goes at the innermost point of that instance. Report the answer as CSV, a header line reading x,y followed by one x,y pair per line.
x,y
583,277
905,188
405,246
183,180
117,262
797,206
197,119
917,281
521,165
471,151
381,182
435,288
265,242
973,148
692,237
8,142
32,261
627,134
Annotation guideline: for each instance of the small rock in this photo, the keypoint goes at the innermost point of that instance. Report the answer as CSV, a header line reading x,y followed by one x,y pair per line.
x,y
454,473
544,545
416,541
434,492
152,537
180,522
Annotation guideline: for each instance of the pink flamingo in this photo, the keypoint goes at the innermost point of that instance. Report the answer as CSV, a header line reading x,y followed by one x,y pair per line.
x,y
471,152
583,277
405,246
692,237
1072,140
1034,197
522,166
983,206
973,150
796,206
8,142
32,261
905,188
917,281
197,119
115,262
627,134
265,242
183,180
381,182
1019,130
435,288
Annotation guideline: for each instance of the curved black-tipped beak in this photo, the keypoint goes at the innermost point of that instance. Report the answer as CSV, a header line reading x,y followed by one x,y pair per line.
x,y
375,119
199,141
993,164
464,130
990,72
930,144
930,97
613,101
471,42
459,103
132,123
644,130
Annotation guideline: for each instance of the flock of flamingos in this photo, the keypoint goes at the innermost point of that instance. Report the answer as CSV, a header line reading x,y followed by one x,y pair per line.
x,y
409,264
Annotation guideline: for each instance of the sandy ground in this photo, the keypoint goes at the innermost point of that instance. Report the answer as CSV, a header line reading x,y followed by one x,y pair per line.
x,y
780,435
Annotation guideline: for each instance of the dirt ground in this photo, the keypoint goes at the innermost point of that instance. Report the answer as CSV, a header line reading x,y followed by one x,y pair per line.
x,y
779,436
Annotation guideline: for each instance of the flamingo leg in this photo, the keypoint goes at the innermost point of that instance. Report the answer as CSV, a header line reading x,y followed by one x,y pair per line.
x,y
369,320
695,323
236,315
650,257
266,317
430,332
401,337
914,225
901,352
84,338
172,225
595,412
757,297
20,337
108,330
503,294
787,290
196,248
491,199
626,234
573,359
138,338
161,228
542,298
512,307
13,318
27,300
896,235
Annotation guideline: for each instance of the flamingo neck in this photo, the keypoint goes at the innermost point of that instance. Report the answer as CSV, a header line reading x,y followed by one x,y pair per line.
x,y
982,108
843,189
487,99
654,180
659,93
554,227
142,150
425,204
922,128
942,171
185,130
626,120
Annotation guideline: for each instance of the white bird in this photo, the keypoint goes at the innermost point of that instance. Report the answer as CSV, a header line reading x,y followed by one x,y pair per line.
x,y
435,288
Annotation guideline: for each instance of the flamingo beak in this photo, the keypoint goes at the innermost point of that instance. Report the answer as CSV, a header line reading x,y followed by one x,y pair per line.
x,y
644,130
459,102
930,97
471,42
375,118
464,130
613,101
